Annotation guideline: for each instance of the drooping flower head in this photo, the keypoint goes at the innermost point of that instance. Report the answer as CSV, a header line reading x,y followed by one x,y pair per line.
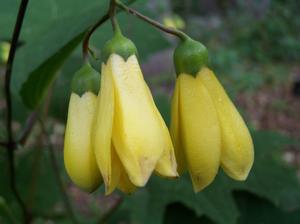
x,y
130,138
79,158
206,128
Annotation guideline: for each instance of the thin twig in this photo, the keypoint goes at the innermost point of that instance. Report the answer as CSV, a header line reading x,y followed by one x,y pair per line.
x,y
103,19
112,13
30,122
85,42
10,141
154,23
59,180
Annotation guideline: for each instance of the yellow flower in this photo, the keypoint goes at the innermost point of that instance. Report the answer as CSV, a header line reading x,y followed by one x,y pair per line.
x,y
237,147
195,131
79,156
206,128
129,126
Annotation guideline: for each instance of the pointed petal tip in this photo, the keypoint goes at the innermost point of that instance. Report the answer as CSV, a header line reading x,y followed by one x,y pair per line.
x,y
169,175
139,181
141,178
238,176
172,174
200,183
198,187
107,184
108,190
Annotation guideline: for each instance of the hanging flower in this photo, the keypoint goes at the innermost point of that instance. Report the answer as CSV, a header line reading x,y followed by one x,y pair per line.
x,y
206,128
79,158
130,138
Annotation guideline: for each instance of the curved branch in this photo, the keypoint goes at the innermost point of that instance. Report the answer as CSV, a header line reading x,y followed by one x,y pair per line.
x,y
10,141
85,42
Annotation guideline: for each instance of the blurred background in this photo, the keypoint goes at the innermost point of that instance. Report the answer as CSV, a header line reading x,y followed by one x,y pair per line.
x,y
254,49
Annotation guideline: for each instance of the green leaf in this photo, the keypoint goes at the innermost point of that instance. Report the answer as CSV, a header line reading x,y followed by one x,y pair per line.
x,y
178,213
254,209
63,33
46,42
36,86
38,61
40,13
270,177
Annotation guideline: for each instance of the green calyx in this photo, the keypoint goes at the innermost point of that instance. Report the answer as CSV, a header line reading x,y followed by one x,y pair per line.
x,y
86,79
118,45
189,57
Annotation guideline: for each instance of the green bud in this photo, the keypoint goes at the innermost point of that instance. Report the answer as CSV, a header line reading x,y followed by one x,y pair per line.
x,y
118,45
189,57
86,79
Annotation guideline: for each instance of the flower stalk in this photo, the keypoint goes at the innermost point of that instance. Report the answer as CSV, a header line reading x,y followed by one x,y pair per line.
x,y
181,35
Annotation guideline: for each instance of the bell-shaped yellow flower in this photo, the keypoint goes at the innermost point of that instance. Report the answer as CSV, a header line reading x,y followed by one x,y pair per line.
x,y
79,156
195,131
127,118
206,128
237,147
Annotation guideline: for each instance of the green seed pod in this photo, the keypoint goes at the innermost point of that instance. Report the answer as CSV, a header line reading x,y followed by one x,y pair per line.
x,y
86,79
118,45
189,57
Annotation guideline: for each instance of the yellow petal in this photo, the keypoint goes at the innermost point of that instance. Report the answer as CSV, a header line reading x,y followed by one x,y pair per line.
x,y
125,184
115,171
79,157
237,147
137,132
200,131
103,125
175,131
166,165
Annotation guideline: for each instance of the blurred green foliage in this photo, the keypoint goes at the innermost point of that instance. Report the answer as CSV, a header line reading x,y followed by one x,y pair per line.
x,y
273,35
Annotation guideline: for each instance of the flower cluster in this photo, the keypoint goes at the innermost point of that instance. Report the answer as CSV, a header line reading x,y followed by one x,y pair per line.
x,y
116,135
